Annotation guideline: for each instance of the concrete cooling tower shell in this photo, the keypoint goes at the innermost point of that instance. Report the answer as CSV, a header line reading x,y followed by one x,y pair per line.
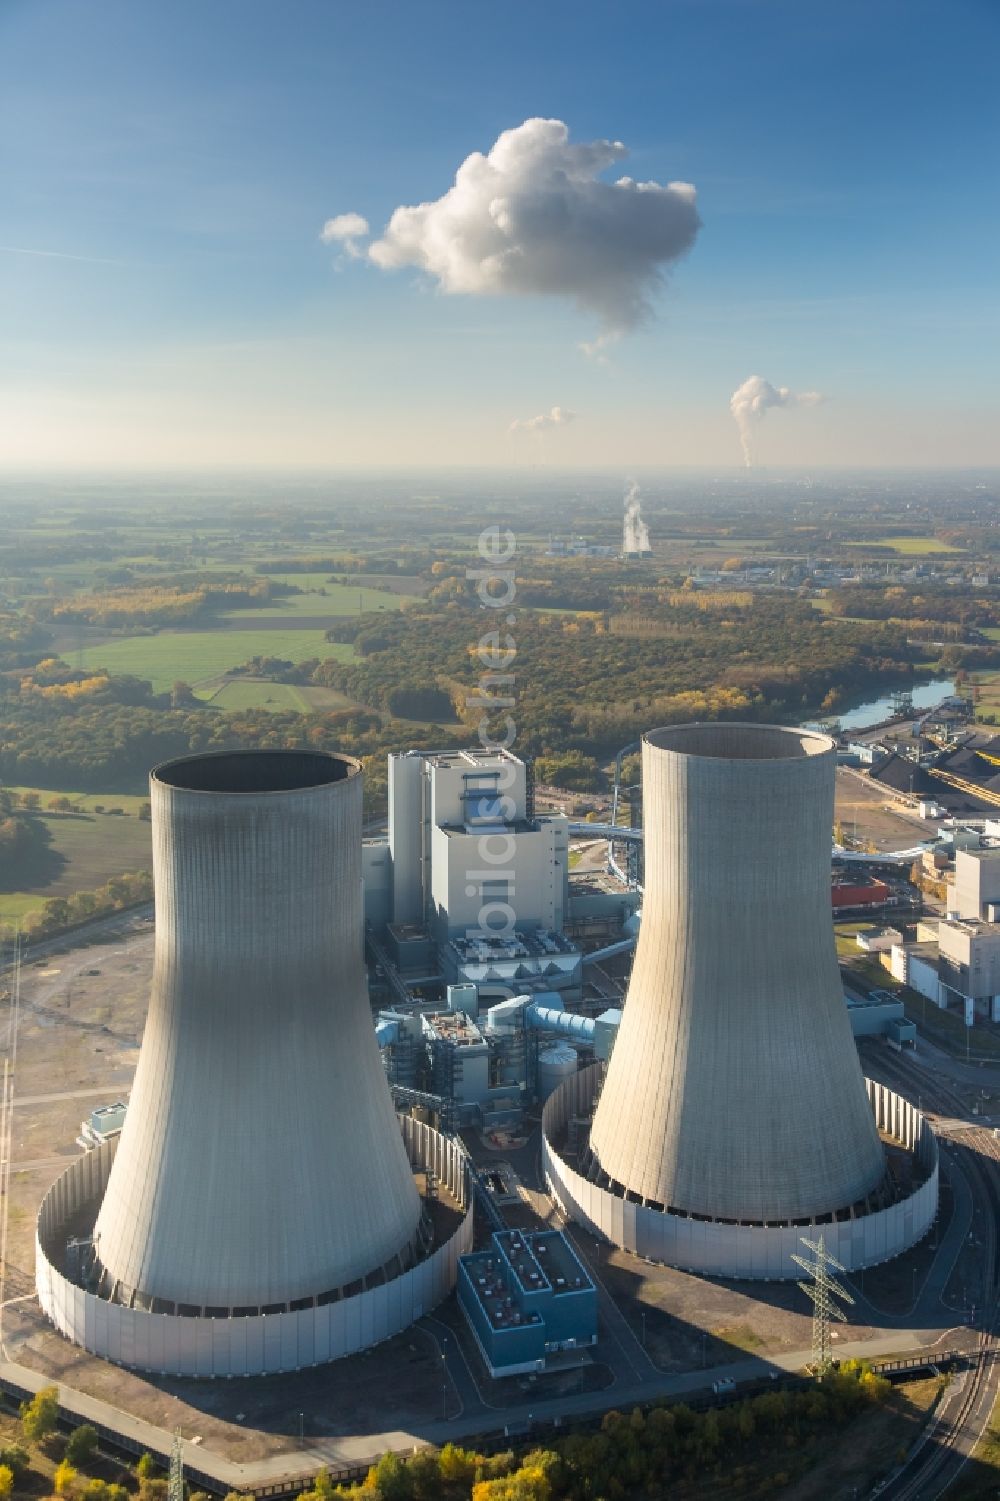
x,y
734,1091
261,1164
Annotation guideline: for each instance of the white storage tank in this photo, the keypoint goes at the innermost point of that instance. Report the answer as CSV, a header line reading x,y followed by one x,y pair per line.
x,y
555,1064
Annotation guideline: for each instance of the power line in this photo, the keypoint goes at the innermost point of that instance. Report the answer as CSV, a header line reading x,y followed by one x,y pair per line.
x,y
823,1290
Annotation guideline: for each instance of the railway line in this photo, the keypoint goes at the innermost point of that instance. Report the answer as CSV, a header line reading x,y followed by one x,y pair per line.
x,y
936,1461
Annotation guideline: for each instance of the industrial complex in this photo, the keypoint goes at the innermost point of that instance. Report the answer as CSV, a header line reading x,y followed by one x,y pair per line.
x,y
339,1027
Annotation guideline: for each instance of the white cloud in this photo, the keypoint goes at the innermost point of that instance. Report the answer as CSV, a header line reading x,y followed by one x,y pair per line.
x,y
345,230
535,218
556,417
750,402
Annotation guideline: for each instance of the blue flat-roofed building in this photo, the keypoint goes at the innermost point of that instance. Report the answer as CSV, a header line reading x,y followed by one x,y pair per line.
x,y
526,1297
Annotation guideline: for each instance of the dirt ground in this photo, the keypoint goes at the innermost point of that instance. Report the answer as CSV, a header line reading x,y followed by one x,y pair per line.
x,y
689,1322
869,815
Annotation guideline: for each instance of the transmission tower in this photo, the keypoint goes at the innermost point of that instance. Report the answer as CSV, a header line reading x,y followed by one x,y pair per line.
x,y
824,1290
175,1481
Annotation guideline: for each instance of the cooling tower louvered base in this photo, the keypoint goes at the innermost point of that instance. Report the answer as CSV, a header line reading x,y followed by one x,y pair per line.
x,y
262,1344
719,1248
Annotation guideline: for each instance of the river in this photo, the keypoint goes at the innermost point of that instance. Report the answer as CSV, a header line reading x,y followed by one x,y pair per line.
x,y
925,696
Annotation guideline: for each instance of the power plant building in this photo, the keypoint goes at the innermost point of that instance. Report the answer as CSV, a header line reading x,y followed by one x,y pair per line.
x,y
734,1110
463,836
527,1297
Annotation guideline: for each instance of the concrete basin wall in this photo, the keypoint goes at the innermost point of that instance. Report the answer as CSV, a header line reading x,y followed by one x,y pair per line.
x,y
264,1344
756,1252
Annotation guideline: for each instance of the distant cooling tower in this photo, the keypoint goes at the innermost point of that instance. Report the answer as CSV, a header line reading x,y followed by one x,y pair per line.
x,y
734,1089
261,1167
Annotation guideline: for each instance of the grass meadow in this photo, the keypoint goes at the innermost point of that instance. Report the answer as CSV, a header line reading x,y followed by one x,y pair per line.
x,y
194,656
319,598
254,693
80,853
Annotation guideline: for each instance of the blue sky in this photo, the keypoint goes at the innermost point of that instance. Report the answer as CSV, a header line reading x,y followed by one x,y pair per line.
x,y
176,163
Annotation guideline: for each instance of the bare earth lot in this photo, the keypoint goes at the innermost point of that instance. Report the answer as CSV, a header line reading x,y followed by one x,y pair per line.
x,y
867,812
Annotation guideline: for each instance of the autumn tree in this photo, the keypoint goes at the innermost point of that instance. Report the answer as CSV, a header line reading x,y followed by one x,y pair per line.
x,y
40,1415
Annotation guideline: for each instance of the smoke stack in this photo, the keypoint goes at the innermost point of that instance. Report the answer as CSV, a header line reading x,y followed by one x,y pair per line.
x,y
734,1091
261,1163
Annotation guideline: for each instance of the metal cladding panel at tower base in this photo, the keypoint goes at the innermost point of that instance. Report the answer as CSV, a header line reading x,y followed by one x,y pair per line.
x,y
260,1161
734,1090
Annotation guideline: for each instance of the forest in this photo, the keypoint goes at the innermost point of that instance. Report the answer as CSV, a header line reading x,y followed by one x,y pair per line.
x,y
582,685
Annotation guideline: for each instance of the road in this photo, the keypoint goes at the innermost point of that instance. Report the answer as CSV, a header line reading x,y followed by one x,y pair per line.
x,y
345,1452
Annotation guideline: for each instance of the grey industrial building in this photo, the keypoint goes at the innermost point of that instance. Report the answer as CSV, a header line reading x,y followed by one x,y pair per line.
x,y
464,835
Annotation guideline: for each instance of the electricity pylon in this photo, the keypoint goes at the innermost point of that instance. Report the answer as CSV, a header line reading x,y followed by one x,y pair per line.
x,y
175,1480
823,1290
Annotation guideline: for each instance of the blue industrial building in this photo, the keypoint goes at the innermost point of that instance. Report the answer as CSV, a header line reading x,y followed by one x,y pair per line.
x,y
526,1297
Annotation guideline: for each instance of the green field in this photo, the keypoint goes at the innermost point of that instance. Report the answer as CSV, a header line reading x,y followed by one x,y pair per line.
x,y
15,905
846,934
88,801
987,692
912,546
319,598
254,693
193,656
82,852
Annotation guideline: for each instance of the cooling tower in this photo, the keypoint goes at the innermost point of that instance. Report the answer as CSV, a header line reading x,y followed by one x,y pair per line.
x,y
261,1164
734,1091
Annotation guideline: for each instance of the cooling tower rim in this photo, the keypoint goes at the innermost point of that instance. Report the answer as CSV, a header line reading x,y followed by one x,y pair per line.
x,y
182,773
762,744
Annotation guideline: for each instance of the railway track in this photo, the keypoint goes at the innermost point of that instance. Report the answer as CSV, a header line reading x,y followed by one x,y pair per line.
x,y
935,1463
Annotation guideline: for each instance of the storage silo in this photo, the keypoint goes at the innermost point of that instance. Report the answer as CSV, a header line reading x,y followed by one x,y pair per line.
x,y
555,1064
261,1168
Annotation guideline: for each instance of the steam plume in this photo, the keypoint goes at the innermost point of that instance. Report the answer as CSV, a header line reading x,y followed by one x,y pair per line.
x,y
750,402
635,533
557,417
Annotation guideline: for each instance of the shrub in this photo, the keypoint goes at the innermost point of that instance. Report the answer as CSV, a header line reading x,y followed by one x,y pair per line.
x,y
65,1478
82,1445
15,1458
